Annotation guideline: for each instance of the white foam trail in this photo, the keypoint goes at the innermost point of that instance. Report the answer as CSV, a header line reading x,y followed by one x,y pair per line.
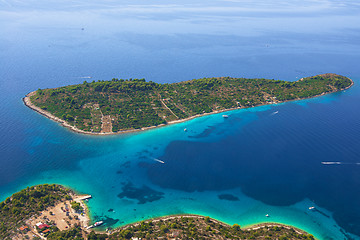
x,y
274,113
339,163
86,77
158,160
330,163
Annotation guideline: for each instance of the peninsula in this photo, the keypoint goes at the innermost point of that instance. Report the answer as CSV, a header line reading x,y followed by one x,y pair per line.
x,y
55,212
118,106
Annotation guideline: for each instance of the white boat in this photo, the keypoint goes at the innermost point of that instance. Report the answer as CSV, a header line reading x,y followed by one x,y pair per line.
x,y
311,208
267,215
158,160
225,116
95,224
185,130
98,223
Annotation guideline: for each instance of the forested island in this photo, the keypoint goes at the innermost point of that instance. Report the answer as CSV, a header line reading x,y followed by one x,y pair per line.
x,y
54,212
104,107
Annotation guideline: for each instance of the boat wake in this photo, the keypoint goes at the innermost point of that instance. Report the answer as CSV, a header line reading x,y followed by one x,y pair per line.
x,y
339,163
330,163
274,113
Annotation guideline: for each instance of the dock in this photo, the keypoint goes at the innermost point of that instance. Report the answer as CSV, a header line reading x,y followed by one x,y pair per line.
x,y
84,197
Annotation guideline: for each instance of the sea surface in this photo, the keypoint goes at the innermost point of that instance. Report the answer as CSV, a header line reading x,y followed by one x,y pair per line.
x,y
264,160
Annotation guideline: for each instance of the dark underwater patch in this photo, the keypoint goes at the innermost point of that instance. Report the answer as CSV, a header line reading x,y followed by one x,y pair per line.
x,y
108,221
228,197
205,133
142,194
322,213
126,164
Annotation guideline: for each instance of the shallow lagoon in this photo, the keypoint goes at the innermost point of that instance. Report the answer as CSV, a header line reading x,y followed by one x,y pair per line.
x,y
263,163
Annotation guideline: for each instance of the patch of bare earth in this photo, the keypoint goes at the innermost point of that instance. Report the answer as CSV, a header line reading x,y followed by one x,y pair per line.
x,y
61,215
106,124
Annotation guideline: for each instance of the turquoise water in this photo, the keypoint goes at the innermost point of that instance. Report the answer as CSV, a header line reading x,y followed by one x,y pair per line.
x,y
265,160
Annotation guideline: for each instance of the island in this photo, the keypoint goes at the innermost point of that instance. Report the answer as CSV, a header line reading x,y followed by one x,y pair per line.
x,y
51,211
118,106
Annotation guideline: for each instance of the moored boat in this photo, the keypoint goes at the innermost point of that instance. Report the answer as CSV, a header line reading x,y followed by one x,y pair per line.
x,y
98,223
95,224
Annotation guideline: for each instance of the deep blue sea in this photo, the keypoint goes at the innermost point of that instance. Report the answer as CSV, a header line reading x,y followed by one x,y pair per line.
x,y
264,160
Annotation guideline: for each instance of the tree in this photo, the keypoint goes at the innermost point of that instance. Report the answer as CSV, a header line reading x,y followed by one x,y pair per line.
x,y
70,118
236,227
126,234
164,229
76,206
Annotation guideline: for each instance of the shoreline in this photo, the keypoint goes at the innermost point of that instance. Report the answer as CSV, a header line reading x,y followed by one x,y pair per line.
x,y
27,102
84,219
64,217
250,227
254,226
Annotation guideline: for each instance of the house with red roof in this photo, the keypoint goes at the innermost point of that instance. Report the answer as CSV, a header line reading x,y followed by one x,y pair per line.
x,y
42,226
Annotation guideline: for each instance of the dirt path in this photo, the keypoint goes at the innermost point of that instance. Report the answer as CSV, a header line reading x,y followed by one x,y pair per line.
x,y
167,107
106,124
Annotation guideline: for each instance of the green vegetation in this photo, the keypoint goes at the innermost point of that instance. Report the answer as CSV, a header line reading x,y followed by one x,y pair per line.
x,y
186,228
73,233
203,228
15,210
76,206
117,105
76,233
